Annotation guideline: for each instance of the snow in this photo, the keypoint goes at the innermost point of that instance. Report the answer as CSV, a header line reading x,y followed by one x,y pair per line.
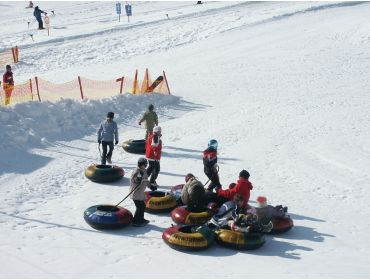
x,y
283,87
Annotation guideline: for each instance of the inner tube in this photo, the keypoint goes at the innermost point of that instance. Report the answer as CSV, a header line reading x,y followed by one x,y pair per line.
x,y
181,215
107,217
159,202
281,225
239,240
104,173
134,146
188,237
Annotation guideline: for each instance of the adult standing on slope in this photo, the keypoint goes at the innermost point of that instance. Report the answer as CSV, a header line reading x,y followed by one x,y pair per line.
x,y
37,13
153,150
151,119
8,84
107,133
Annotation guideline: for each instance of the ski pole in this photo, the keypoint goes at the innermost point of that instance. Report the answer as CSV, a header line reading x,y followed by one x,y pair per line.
x,y
99,150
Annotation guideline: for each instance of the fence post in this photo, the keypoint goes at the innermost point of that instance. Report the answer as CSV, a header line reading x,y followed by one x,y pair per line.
x,y
135,83
13,53
17,53
147,79
165,78
121,87
79,81
31,89
37,88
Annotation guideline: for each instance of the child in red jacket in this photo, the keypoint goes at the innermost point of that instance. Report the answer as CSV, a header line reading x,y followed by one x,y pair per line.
x,y
243,186
153,150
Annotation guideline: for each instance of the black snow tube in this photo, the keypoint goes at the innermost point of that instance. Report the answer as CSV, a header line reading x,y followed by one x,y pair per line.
x,y
104,173
107,217
134,146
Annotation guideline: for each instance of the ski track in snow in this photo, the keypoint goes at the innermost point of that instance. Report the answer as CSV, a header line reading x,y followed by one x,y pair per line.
x,y
282,86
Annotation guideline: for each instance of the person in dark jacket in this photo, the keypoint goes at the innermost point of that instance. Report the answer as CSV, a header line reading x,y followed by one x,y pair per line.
x,y
107,133
8,84
210,164
37,13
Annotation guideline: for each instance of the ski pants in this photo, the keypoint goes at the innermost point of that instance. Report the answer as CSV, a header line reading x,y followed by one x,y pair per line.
x,y
212,174
213,197
139,213
106,155
153,170
41,24
148,132
8,93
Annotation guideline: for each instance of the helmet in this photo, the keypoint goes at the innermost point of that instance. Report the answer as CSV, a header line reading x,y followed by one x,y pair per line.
x,y
142,161
157,129
244,173
151,107
213,143
188,177
110,115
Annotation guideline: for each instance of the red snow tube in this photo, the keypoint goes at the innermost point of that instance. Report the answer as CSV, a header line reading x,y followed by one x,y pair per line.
x,y
181,215
281,225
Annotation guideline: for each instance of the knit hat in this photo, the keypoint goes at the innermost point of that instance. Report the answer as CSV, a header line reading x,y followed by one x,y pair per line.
x,y
262,201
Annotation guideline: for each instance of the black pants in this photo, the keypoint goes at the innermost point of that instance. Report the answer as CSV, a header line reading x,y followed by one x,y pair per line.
x,y
106,155
139,213
212,175
153,169
213,197
41,25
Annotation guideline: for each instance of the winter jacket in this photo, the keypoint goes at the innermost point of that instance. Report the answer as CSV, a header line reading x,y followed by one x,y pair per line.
x,y
37,13
153,147
243,187
228,211
267,213
108,131
209,157
139,182
8,79
193,192
151,120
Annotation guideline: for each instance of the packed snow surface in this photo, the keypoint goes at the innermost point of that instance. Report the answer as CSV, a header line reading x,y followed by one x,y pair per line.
x,y
284,88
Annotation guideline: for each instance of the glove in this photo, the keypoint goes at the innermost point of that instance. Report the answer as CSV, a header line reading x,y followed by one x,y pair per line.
x,y
99,141
139,123
116,142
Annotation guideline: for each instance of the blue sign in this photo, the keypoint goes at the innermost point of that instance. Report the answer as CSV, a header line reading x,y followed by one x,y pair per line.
x,y
128,10
118,8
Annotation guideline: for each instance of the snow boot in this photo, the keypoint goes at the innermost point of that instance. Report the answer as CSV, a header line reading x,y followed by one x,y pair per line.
x,y
141,224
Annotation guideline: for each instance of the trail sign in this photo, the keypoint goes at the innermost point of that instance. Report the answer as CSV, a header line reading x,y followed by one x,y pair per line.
x,y
118,10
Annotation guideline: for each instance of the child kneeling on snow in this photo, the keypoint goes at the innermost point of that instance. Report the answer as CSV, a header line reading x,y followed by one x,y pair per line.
x,y
139,182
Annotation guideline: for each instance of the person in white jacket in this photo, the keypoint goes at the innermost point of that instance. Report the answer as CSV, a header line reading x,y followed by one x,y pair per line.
x,y
139,182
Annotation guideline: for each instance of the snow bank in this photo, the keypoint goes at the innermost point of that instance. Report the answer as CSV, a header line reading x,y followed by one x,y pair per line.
x,y
30,124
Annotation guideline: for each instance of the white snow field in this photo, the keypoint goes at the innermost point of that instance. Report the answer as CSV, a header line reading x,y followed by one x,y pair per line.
x,y
283,86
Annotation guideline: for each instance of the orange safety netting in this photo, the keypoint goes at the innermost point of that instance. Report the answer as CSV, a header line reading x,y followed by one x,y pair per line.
x,y
10,95
84,88
9,56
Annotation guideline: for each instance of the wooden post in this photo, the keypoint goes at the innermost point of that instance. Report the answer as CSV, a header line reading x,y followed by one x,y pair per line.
x,y
121,88
135,83
165,78
17,53
14,58
147,79
79,81
31,89
37,88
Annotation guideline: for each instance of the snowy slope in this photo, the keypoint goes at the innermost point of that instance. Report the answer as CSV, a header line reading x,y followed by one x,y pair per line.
x,y
282,86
